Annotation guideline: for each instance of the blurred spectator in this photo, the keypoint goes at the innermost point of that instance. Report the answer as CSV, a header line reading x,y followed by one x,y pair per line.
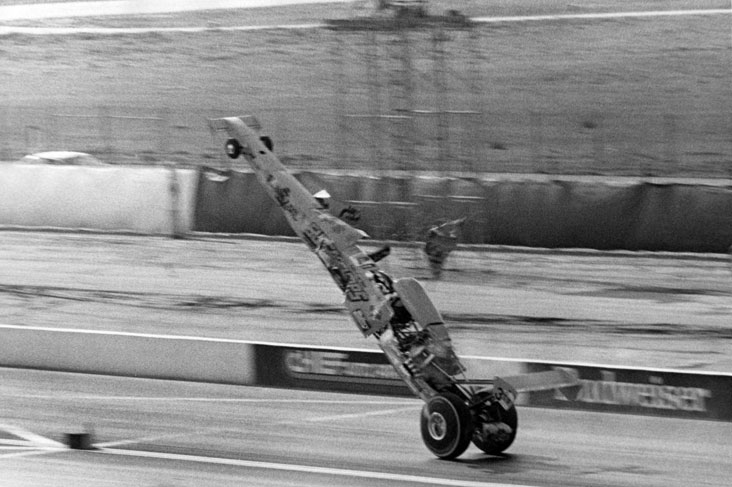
x,y
350,214
441,240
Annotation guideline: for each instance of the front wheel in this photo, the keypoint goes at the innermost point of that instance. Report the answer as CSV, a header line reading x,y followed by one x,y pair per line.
x,y
233,148
446,425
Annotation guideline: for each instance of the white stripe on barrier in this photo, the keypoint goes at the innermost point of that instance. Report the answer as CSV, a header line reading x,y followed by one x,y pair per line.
x,y
496,365
127,354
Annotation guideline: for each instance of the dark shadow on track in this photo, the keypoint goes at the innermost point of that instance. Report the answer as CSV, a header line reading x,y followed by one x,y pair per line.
x,y
510,464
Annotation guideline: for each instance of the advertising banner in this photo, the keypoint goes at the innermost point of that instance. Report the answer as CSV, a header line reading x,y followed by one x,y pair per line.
x,y
354,371
641,392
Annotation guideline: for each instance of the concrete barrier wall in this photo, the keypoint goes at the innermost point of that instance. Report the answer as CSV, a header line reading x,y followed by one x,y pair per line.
x,y
581,213
235,202
571,213
133,355
142,200
657,392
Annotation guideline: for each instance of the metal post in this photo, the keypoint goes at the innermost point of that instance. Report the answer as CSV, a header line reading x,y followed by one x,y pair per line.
x,y
395,101
408,135
338,103
4,134
476,101
163,124
670,138
598,143
537,141
438,37
105,129
374,91
174,187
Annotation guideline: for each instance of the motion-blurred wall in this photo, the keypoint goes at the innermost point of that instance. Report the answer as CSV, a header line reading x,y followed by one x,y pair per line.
x,y
627,214
360,138
149,200
531,211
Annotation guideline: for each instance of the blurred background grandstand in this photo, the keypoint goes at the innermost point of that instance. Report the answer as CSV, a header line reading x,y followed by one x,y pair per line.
x,y
442,96
425,139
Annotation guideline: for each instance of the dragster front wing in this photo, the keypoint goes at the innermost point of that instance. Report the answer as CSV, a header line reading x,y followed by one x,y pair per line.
x,y
544,381
508,388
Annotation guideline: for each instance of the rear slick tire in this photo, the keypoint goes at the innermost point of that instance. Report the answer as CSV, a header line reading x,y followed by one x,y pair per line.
x,y
446,425
497,445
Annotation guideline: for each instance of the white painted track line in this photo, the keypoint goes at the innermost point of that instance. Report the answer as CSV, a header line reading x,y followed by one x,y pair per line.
x,y
30,444
31,453
336,472
338,417
30,438
405,403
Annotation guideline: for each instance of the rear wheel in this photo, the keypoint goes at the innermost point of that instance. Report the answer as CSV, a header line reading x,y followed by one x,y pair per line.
x,y
267,141
446,425
498,431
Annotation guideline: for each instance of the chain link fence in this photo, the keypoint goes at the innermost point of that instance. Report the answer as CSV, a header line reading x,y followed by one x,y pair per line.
x,y
459,142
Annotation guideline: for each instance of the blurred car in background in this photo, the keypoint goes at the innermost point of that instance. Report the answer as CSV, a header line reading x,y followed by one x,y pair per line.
x,y
62,158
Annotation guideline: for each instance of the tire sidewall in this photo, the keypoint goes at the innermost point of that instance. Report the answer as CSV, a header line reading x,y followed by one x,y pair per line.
x,y
458,426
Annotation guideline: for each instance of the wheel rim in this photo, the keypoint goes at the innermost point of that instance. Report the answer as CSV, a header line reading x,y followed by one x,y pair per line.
x,y
231,149
446,425
437,426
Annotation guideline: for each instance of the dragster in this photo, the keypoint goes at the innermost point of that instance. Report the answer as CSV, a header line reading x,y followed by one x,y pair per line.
x,y
397,313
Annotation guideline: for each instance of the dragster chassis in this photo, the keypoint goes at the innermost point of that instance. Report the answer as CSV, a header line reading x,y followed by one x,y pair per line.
x,y
396,312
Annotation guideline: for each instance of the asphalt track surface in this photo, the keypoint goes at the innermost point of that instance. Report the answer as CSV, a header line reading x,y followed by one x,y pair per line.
x,y
164,433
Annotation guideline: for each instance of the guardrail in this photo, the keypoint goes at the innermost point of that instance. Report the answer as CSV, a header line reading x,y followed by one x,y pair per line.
x,y
611,389
148,200
127,354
